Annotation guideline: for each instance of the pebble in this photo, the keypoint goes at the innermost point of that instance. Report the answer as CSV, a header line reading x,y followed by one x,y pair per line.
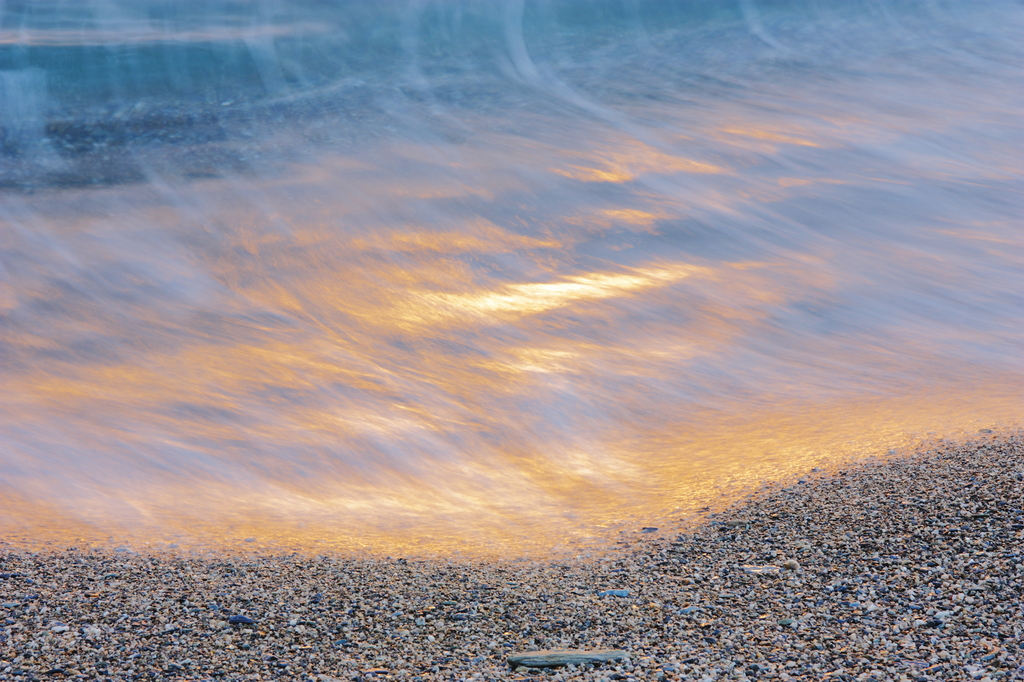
x,y
613,593
564,657
907,570
760,570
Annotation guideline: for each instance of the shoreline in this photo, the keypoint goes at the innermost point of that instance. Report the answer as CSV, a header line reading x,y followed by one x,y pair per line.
x,y
909,568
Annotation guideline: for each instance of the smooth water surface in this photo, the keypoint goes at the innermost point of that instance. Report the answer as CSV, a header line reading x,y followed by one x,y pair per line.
x,y
455,275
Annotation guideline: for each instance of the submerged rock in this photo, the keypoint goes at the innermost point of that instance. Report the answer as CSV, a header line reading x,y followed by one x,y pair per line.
x,y
559,657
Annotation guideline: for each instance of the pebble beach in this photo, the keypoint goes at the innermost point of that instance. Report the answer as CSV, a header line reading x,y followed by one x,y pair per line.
x,y
907,569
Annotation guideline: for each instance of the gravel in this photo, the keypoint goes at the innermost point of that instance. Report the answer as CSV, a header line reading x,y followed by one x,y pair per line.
x,y
904,570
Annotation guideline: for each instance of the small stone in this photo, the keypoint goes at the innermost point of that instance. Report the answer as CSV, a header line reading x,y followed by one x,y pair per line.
x,y
241,620
613,593
787,622
559,657
689,609
760,570
10,604
791,565
648,529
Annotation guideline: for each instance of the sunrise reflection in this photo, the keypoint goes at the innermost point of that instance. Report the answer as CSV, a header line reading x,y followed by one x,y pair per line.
x,y
524,299
504,336
630,160
481,238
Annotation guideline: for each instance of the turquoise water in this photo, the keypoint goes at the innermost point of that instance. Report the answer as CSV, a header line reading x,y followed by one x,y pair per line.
x,y
491,276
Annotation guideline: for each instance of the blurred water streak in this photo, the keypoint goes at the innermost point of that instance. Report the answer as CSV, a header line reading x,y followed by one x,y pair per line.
x,y
491,277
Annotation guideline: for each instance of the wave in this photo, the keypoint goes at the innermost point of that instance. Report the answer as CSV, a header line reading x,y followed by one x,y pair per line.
x,y
453,273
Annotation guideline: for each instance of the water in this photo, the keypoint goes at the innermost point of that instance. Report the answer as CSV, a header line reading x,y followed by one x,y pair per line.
x,y
503,276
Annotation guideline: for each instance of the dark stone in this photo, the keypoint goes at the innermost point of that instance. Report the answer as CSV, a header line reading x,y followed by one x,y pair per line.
x,y
241,620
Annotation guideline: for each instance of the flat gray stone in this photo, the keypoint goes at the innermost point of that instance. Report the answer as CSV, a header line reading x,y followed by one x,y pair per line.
x,y
760,570
556,657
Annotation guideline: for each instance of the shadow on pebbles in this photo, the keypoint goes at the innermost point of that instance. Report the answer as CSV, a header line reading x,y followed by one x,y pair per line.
x,y
906,570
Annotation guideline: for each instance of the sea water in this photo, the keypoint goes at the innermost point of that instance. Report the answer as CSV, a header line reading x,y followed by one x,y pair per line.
x,y
491,275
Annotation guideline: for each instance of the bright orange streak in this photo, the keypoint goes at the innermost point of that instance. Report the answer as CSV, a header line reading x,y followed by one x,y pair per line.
x,y
525,299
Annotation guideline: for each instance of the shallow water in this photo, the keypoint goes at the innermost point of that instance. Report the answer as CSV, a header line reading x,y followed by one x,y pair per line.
x,y
491,276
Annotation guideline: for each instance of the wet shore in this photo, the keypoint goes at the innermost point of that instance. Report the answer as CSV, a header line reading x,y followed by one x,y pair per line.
x,y
905,570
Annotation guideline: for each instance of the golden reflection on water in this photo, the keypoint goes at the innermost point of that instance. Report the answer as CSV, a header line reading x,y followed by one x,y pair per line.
x,y
481,512
348,373
532,298
629,159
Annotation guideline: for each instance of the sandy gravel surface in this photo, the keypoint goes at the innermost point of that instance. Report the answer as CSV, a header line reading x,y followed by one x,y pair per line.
x,y
909,570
